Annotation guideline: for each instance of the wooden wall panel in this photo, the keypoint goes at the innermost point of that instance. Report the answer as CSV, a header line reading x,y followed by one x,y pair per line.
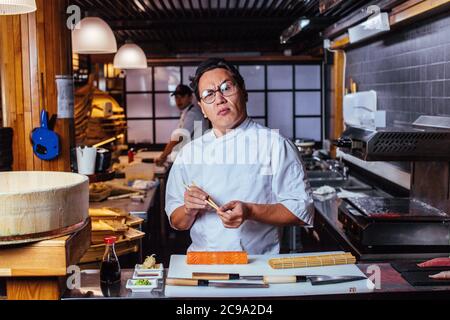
x,y
35,48
337,120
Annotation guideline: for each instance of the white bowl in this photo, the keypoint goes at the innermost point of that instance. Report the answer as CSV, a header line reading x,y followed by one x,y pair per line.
x,y
131,284
157,274
143,272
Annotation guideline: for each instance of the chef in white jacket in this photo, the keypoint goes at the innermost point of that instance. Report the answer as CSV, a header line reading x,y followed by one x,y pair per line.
x,y
252,172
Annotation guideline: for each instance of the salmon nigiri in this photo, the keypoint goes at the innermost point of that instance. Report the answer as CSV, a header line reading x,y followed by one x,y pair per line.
x,y
445,275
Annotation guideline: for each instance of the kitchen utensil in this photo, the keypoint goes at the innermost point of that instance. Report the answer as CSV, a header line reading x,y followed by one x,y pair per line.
x,y
45,142
312,261
103,160
314,279
209,200
124,196
207,283
86,160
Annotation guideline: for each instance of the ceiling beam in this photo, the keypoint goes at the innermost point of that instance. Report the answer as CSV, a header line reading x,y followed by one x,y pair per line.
x,y
325,5
124,24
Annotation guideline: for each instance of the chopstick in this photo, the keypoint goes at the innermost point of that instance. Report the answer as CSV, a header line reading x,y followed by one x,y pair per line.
x,y
208,199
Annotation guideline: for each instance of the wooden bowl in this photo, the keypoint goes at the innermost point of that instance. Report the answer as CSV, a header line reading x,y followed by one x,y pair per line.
x,y
38,205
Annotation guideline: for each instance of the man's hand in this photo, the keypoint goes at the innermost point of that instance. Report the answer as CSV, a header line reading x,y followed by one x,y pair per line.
x,y
195,201
234,213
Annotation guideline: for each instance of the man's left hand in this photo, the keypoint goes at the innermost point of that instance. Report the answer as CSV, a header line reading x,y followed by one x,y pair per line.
x,y
233,214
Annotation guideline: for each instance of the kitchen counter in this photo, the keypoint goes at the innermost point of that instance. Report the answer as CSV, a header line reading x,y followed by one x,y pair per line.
x,y
134,207
392,286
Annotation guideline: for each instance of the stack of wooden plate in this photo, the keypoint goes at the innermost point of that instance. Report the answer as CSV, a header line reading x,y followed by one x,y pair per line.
x,y
112,222
6,153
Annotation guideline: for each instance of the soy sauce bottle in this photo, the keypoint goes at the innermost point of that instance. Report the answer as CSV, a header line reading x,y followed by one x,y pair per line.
x,y
110,270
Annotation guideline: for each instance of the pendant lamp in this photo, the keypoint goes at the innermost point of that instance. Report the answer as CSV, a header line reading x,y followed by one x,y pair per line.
x,y
92,35
130,56
9,7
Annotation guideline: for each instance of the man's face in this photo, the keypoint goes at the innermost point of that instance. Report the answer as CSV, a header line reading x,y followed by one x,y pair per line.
x,y
226,111
183,101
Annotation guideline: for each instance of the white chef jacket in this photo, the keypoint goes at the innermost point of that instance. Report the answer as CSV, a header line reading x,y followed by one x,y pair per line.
x,y
251,163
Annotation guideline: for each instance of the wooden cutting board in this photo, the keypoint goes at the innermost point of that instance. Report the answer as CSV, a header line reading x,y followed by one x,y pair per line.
x,y
258,265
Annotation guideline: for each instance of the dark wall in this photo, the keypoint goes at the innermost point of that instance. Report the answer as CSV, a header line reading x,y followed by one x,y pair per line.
x,y
409,69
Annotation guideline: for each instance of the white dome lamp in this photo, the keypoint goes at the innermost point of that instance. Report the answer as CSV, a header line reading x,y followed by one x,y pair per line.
x,y
130,56
92,35
9,7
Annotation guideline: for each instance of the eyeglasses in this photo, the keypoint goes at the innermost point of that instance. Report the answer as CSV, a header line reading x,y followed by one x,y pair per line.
x,y
227,88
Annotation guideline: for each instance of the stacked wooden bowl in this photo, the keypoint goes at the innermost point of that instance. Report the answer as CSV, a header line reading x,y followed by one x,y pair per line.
x,y
6,154
41,205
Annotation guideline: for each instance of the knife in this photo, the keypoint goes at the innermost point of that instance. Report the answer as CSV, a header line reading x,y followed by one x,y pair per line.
x,y
207,283
314,279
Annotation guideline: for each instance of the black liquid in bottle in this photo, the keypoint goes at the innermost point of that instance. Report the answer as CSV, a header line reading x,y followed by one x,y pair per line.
x,y
110,270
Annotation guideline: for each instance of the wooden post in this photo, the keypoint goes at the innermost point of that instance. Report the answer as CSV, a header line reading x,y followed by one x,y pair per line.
x,y
34,49
337,120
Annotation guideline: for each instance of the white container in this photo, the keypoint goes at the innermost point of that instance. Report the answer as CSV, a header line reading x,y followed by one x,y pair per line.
x,y
148,276
131,284
86,160
141,272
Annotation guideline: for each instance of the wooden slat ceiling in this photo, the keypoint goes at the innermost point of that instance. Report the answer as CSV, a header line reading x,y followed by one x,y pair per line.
x,y
183,27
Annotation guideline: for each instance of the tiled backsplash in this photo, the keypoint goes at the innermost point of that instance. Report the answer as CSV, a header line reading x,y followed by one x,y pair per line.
x,y
409,69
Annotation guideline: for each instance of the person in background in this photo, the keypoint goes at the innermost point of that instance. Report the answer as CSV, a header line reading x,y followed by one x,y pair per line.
x,y
190,114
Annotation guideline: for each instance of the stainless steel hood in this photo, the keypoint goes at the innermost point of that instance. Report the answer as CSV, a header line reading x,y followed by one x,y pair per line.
x,y
427,140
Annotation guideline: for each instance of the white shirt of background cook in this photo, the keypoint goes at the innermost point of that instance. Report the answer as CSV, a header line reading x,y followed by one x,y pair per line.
x,y
251,163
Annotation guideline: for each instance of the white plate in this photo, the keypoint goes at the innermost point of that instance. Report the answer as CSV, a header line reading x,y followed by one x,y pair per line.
x,y
157,275
139,271
131,284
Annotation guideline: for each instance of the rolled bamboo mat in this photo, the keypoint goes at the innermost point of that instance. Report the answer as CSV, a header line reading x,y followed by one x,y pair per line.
x,y
312,261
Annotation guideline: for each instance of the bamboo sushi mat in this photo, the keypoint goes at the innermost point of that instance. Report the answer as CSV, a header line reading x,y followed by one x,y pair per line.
x,y
312,261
